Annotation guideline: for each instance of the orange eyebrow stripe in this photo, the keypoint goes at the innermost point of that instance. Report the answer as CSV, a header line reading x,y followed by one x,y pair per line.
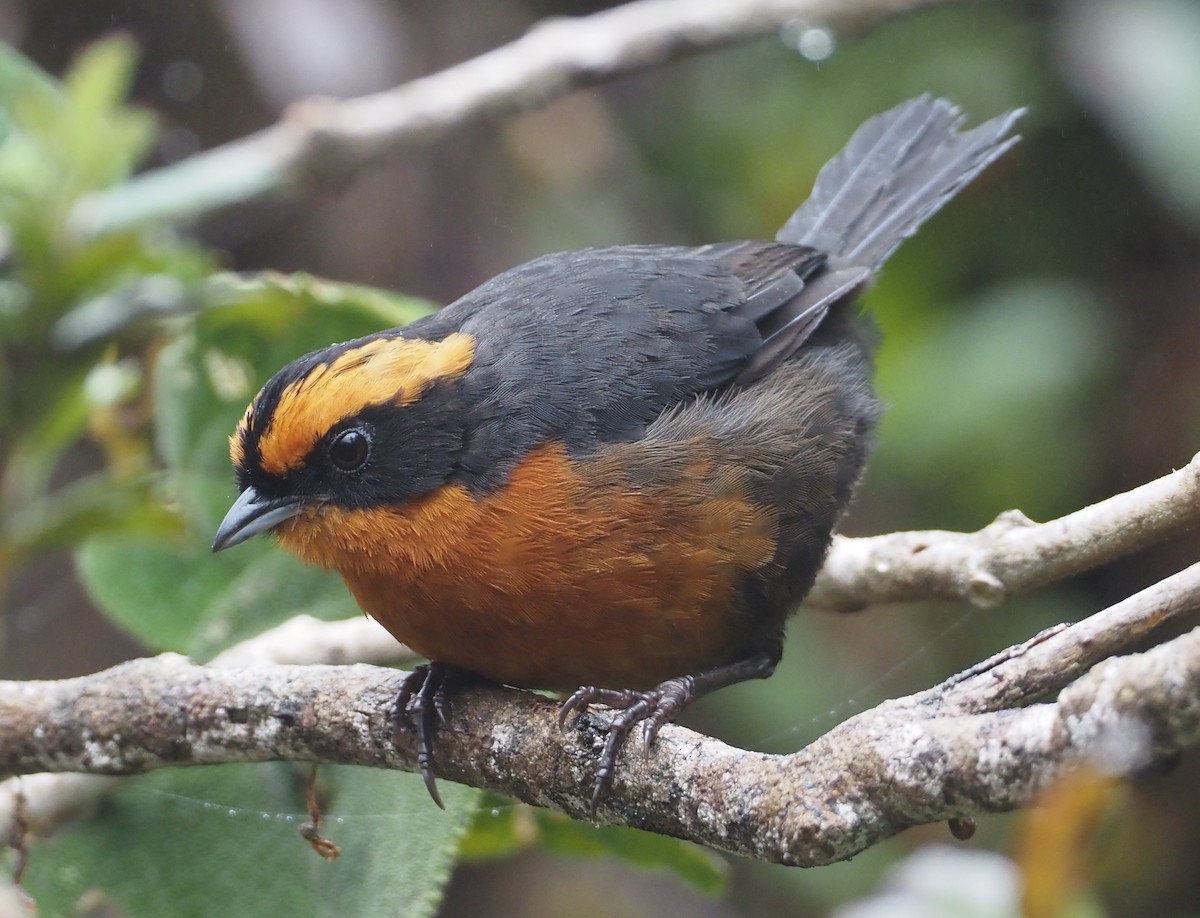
x,y
382,371
237,448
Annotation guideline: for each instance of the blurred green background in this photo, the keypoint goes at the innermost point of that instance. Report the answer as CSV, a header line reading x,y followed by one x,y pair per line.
x,y
1040,353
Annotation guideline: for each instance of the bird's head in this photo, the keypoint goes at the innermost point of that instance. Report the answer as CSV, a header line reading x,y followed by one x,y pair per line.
x,y
341,432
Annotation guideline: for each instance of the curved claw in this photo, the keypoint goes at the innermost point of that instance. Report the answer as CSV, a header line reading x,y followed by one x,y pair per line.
x,y
420,700
673,696
658,706
578,704
642,705
651,708
587,695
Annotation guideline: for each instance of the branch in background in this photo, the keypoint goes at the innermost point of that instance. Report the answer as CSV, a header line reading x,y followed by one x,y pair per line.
x,y
305,639
1053,659
1011,554
319,141
912,761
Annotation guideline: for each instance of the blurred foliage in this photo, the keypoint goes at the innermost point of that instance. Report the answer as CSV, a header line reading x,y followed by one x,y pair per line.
x,y
160,397
225,840
1039,352
58,141
1148,88
502,829
1057,844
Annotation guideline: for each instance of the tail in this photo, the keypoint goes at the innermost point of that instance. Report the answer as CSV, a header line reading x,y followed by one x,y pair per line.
x,y
896,172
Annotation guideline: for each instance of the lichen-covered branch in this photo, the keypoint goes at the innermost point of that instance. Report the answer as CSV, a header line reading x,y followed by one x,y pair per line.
x,y
1011,554
955,751
323,140
47,800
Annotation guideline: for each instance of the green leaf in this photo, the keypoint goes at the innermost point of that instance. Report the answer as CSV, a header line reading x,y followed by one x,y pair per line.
x,y
501,829
103,138
21,78
176,595
224,840
101,75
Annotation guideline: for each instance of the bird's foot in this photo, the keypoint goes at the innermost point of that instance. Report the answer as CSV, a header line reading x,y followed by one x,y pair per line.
x,y
420,705
651,708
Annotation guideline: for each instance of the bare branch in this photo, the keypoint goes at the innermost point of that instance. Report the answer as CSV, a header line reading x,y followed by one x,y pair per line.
x,y
911,761
1052,660
322,140
1012,553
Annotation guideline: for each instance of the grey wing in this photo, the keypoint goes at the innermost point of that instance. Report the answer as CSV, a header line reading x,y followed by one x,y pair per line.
x,y
590,347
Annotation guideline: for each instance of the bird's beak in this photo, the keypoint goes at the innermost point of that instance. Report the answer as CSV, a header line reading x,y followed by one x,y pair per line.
x,y
251,514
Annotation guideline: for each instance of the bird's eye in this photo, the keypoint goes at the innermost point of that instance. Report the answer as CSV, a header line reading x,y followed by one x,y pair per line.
x,y
349,450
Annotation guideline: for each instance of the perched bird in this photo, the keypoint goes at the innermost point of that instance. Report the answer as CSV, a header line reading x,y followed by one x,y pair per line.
x,y
612,472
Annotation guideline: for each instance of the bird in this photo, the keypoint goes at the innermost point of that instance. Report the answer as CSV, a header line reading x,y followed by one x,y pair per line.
x,y
611,473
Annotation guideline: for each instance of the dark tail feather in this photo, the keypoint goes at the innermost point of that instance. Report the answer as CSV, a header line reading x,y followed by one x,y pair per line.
x,y
896,172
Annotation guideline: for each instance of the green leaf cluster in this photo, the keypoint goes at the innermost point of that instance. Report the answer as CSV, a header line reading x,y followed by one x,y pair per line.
x,y
71,348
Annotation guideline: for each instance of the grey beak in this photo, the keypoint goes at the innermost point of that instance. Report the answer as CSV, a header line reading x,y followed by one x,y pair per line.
x,y
250,515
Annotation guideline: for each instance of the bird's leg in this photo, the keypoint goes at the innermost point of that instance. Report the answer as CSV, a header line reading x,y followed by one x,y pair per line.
x,y
421,698
654,707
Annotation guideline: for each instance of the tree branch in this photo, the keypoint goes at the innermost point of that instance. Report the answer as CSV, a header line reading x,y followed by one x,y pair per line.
x,y
305,639
319,141
1012,553
955,751
48,800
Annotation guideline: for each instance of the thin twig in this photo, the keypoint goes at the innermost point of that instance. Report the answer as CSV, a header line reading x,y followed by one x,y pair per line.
x,y
1011,554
